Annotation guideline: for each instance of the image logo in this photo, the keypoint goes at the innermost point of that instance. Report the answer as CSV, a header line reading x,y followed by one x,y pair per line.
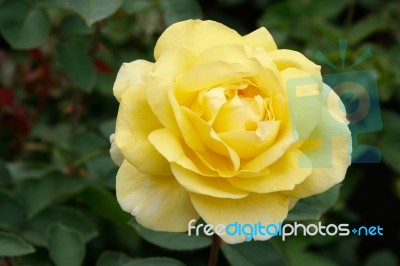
x,y
359,103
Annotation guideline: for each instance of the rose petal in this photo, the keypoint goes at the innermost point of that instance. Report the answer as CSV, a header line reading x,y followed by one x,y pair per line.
x,y
196,36
288,58
284,174
225,165
115,153
260,38
155,201
249,144
161,81
176,151
131,75
212,186
287,136
135,121
231,116
264,208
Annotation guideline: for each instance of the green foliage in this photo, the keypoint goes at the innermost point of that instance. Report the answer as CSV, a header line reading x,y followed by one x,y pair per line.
x,y
296,251
248,253
66,246
109,258
36,229
313,207
77,65
386,258
5,176
58,62
12,214
389,144
174,241
178,10
11,245
23,26
37,194
155,261
91,10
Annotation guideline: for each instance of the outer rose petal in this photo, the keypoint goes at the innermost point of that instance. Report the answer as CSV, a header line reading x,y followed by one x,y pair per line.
x,y
131,75
260,38
264,208
196,35
161,81
330,160
215,186
156,201
115,153
284,175
135,121
288,58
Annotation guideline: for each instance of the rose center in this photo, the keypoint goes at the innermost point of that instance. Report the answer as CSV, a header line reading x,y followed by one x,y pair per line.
x,y
234,107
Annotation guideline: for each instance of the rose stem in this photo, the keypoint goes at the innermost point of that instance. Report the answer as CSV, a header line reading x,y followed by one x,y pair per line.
x,y
216,243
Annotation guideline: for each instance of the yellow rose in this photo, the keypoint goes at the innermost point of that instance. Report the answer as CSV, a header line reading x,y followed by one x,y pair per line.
x,y
212,130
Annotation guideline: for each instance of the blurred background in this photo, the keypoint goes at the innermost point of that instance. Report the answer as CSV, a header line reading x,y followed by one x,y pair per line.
x,y
58,62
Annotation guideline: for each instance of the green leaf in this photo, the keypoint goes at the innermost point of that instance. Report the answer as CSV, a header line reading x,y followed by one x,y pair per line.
x,y
104,203
344,253
383,257
57,135
296,252
326,8
36,229
103,169
36,194
12,245
74,25
88,142
281,15
90,10
366,27
5,176
40,257
94,153
313,207
105,82
136,6
178,10
77,65
107,128
253,253
389,145
155,262
11,214
21,170
174,241
111,258
23,26
66,247
391,120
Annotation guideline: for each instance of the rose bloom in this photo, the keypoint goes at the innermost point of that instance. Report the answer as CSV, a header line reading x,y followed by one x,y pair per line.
x,y
224,127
